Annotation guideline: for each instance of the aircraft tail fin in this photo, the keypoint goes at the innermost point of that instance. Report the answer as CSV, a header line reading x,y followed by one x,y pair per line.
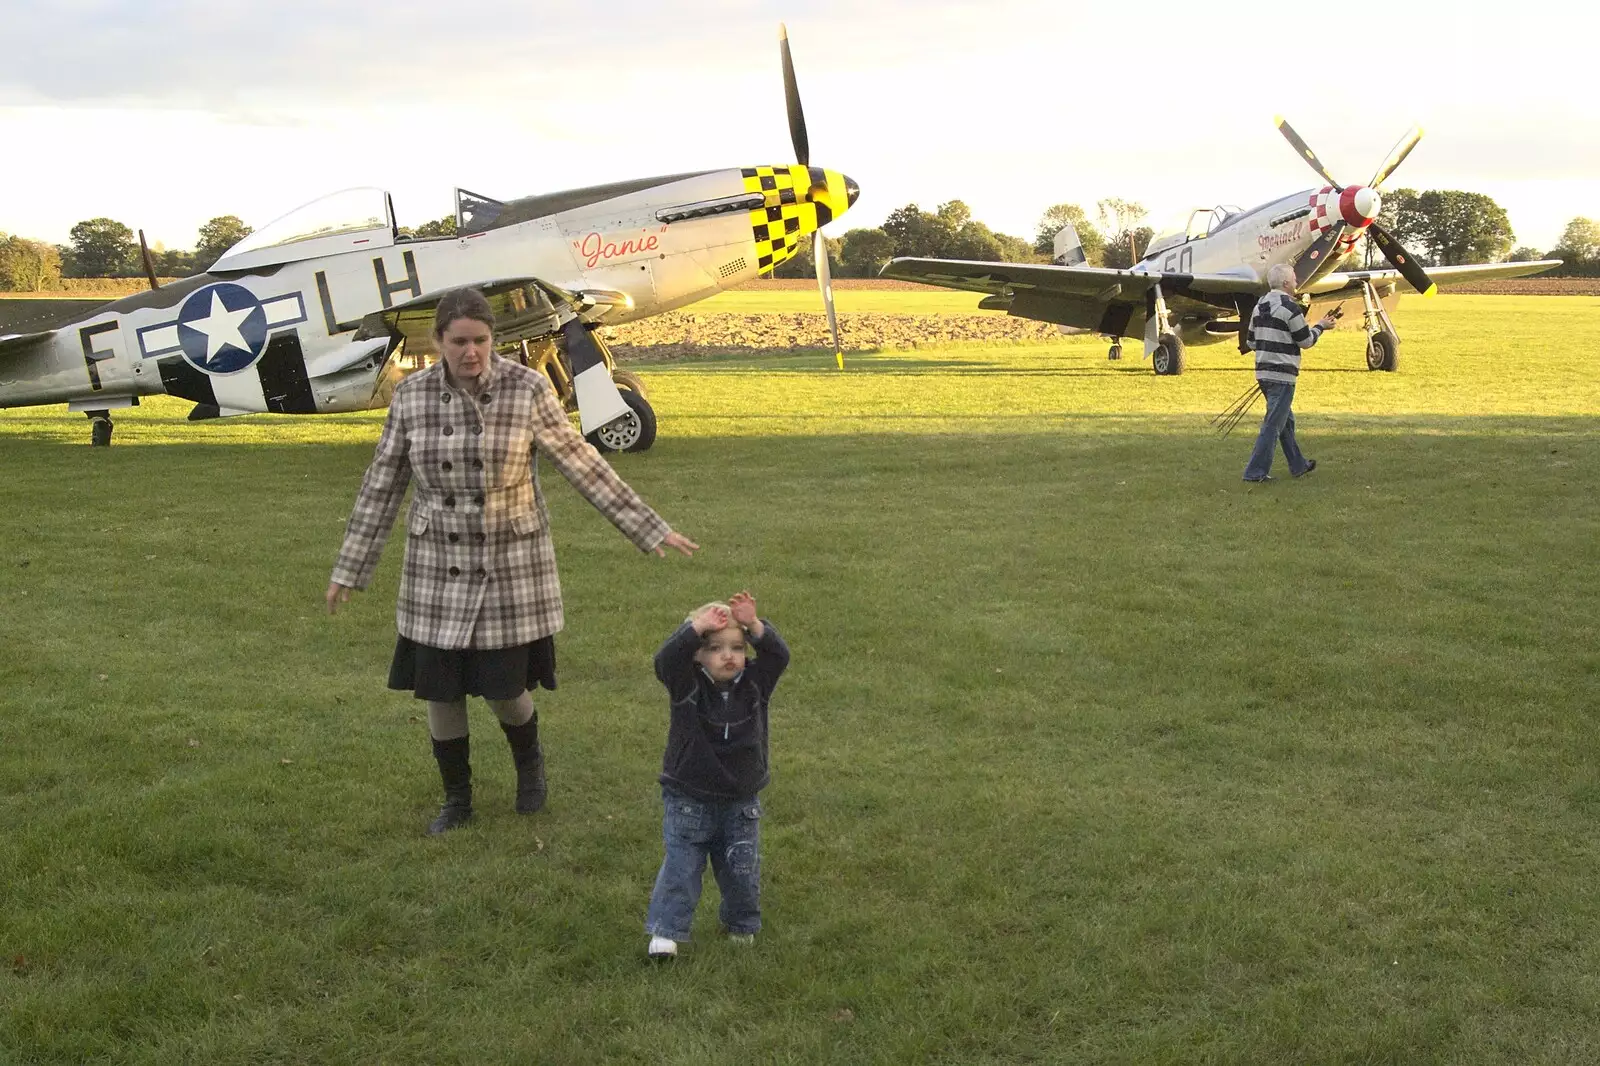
x,y
1068,247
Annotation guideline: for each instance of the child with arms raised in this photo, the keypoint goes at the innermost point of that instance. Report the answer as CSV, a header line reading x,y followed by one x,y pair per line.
x,y
715,767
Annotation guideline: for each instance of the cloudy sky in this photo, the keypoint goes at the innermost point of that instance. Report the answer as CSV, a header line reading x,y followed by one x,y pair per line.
x,y
164,113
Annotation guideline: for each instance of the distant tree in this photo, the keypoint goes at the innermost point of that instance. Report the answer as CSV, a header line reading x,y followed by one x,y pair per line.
x,y
439,227
216,237
1580,242
1017,249
1448,227
1126,248
973,240
953,214
864,252
1054,218
28,266
916,232
101,248
1524,254
174,263
1125,238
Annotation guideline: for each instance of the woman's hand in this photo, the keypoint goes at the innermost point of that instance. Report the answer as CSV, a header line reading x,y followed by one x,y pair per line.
x,y
676,540
337,594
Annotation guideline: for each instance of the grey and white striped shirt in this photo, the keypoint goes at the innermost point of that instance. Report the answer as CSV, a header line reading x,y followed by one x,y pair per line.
x,y
1278,331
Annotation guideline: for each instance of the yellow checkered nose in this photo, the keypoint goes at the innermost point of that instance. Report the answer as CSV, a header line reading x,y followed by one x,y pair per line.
x,y
796,202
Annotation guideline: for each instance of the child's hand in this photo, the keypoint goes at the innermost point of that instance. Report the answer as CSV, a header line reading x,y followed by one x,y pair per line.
x,y
744,608
710,620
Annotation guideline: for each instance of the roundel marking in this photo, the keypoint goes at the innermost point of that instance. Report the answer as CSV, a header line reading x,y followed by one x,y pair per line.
x,y
222,328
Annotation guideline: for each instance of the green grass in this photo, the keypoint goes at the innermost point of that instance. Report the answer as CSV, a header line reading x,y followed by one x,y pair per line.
x,y
1089,753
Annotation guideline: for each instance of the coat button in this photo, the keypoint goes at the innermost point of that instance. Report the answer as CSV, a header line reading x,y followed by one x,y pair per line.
x,y
449,501
484,397
444,397
449,430
478,500
455,571
454,537
482,572
480,537
478,430
477,464
446,465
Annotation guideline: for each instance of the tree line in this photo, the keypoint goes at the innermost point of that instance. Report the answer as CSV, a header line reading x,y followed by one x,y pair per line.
x,y
1441,227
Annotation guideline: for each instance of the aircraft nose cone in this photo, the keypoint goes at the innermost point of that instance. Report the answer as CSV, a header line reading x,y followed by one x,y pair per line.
x,y
1360,205
852,191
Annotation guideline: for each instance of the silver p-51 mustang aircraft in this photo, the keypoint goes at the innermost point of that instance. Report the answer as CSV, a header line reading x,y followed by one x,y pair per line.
x,y
310,313
1199,285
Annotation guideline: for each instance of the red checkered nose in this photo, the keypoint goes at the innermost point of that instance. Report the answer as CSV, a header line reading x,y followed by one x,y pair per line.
x,y
1359,205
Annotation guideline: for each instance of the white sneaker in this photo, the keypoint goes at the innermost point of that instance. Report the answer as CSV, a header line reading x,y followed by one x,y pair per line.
x,y
662,948
742,939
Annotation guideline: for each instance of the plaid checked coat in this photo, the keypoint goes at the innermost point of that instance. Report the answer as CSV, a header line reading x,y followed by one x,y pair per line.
x,y
480,570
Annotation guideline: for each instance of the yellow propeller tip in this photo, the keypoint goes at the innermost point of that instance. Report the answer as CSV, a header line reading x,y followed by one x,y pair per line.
x,y
840,357
783,32
1277,120
1433,290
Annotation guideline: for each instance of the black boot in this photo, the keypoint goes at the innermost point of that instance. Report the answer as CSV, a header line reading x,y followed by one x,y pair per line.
x,y
528,757
456,769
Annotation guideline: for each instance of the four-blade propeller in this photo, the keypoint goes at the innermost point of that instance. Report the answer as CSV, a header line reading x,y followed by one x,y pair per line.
x,y
1314,260
802,155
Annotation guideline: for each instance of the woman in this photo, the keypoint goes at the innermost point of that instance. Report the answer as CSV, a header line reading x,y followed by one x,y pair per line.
x,y
479,599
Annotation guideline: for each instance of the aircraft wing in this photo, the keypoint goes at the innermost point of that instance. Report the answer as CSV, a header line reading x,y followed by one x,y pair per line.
x,y
15,343
1351,279
1101,283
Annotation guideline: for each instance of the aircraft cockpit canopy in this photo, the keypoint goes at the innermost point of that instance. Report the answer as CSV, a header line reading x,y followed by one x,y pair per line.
x,y
347,221
1205,221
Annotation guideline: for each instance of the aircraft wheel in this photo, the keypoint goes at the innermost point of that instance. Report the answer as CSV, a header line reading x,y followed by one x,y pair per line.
x,y
1115,353
100,429
627,379
1168,358
1383,351
633,432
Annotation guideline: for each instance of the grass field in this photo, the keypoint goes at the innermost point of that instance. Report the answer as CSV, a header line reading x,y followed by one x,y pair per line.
x,y
1088,753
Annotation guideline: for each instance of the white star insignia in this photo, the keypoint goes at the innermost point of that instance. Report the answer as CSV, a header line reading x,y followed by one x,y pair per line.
x,y
221,327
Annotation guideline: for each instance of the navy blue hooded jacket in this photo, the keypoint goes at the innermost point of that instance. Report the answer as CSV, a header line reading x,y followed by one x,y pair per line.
x,y
717,738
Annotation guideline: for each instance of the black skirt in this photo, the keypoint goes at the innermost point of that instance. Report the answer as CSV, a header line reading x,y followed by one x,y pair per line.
x,y
444,675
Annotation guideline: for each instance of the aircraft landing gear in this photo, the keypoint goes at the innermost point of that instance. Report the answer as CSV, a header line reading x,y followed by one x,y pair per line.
x,y
99,428
634,431
1115,352
1161,344
1383,351
1169,357
1383,343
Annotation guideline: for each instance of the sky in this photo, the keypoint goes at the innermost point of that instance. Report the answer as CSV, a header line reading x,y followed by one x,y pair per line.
x,y
165,113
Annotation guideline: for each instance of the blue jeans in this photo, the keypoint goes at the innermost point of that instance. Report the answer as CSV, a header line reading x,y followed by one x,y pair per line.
x,y
1277,427
729,834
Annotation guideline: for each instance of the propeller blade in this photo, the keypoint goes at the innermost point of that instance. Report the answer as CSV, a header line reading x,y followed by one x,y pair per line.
x,y
1305,150
819,253
149,263
1315,261
1398,153
1402,261
791,95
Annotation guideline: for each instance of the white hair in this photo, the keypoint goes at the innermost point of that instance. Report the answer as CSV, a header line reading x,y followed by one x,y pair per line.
x,y
1281,276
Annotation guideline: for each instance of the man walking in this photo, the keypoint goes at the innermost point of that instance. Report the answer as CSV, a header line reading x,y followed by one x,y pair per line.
x,y
1278,332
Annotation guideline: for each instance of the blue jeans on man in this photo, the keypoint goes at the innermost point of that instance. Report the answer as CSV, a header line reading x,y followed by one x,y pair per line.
x,y
1277,427
729,834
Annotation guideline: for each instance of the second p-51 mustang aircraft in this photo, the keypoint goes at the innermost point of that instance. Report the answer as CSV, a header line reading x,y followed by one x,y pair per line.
x,y
310,313
1199,285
